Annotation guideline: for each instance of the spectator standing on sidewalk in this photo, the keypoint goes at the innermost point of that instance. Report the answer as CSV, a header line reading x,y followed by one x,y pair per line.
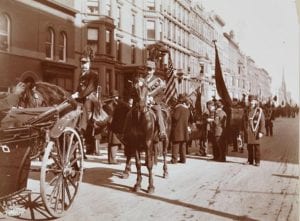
x,y
254,122
113,142
219,145
180,134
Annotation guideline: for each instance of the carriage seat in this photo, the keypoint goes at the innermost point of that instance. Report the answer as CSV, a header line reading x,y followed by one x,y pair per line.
x,y
17,116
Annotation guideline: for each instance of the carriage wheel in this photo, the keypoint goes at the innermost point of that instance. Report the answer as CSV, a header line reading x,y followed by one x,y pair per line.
x,y
61,172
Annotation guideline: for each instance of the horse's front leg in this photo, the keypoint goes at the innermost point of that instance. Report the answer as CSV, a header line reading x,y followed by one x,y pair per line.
x,y
137,186
165,151
127,168
149,157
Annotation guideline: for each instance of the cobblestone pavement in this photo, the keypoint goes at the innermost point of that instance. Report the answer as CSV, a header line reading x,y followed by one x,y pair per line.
x,y
201,189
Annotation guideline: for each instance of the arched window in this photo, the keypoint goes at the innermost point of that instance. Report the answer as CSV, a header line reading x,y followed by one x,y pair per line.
x,y
50,44
62,47
4,32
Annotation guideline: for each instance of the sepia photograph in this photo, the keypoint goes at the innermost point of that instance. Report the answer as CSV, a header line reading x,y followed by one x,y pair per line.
x,y
129,110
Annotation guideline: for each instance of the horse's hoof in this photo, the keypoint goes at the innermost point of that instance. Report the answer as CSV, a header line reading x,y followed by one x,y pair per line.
x,y
125,175
151,189
166,175
136,188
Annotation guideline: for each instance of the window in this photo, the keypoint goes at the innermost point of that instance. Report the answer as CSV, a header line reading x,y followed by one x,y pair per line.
x,y
133,24
151,30
150,5
108,8
107,81
201,69
108,41
174,32
118,48
92,7
133,54
169,30
92,39
50,44
118,19
4,32
160,31
62,53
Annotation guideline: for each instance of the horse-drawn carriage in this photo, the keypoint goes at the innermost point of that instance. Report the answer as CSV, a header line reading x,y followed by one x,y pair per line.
x,y
50,134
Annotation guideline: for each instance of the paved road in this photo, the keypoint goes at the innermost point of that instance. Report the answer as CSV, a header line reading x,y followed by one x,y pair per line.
x,y
201,189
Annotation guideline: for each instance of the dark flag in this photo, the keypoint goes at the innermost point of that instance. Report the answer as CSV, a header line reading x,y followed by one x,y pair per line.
x,y
171,86
198,102
220,83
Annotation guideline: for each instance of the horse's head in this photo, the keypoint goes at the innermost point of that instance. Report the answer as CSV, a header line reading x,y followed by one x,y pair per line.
x,y
140,90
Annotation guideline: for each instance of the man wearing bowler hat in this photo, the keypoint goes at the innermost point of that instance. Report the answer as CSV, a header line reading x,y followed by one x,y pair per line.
x,y
156,88
254,122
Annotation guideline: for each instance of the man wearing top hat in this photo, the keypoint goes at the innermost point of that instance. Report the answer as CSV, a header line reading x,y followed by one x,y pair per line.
x,y
254,123
156,88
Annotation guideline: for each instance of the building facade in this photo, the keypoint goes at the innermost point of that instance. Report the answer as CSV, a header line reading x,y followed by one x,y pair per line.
x,y
44,50
120,33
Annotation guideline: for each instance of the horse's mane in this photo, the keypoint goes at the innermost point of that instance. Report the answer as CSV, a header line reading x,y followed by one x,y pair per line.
x,y
48,95
51,93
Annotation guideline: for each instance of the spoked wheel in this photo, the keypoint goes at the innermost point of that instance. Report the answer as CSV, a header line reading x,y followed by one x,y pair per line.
x,y
61,172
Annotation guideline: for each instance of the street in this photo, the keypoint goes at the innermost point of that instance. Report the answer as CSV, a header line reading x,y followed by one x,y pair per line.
x,y
201,189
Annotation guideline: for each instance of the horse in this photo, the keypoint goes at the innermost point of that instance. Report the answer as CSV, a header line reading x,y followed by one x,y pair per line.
x,y
140,134
42,94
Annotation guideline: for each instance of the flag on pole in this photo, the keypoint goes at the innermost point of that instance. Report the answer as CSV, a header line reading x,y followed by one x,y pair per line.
x,y
171,85
220,83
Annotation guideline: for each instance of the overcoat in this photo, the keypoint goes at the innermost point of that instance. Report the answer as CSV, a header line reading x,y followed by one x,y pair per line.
x,y
252,116
180,123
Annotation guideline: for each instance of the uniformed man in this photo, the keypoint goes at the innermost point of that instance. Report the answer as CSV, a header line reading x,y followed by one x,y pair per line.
x,y
87,90
269,117
254,122
156,88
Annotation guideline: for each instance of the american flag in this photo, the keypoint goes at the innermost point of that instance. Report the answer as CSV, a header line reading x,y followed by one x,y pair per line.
x,y
171,86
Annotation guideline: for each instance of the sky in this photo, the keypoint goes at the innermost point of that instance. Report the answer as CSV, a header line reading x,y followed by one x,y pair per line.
x,y
268,32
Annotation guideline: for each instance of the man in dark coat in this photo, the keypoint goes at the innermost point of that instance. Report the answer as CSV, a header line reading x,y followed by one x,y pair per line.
x,y
180,134
219,125
254,123
269,117
208,118
87,90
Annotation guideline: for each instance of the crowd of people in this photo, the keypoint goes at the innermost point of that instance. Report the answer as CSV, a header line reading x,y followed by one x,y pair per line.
x,y
245,122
